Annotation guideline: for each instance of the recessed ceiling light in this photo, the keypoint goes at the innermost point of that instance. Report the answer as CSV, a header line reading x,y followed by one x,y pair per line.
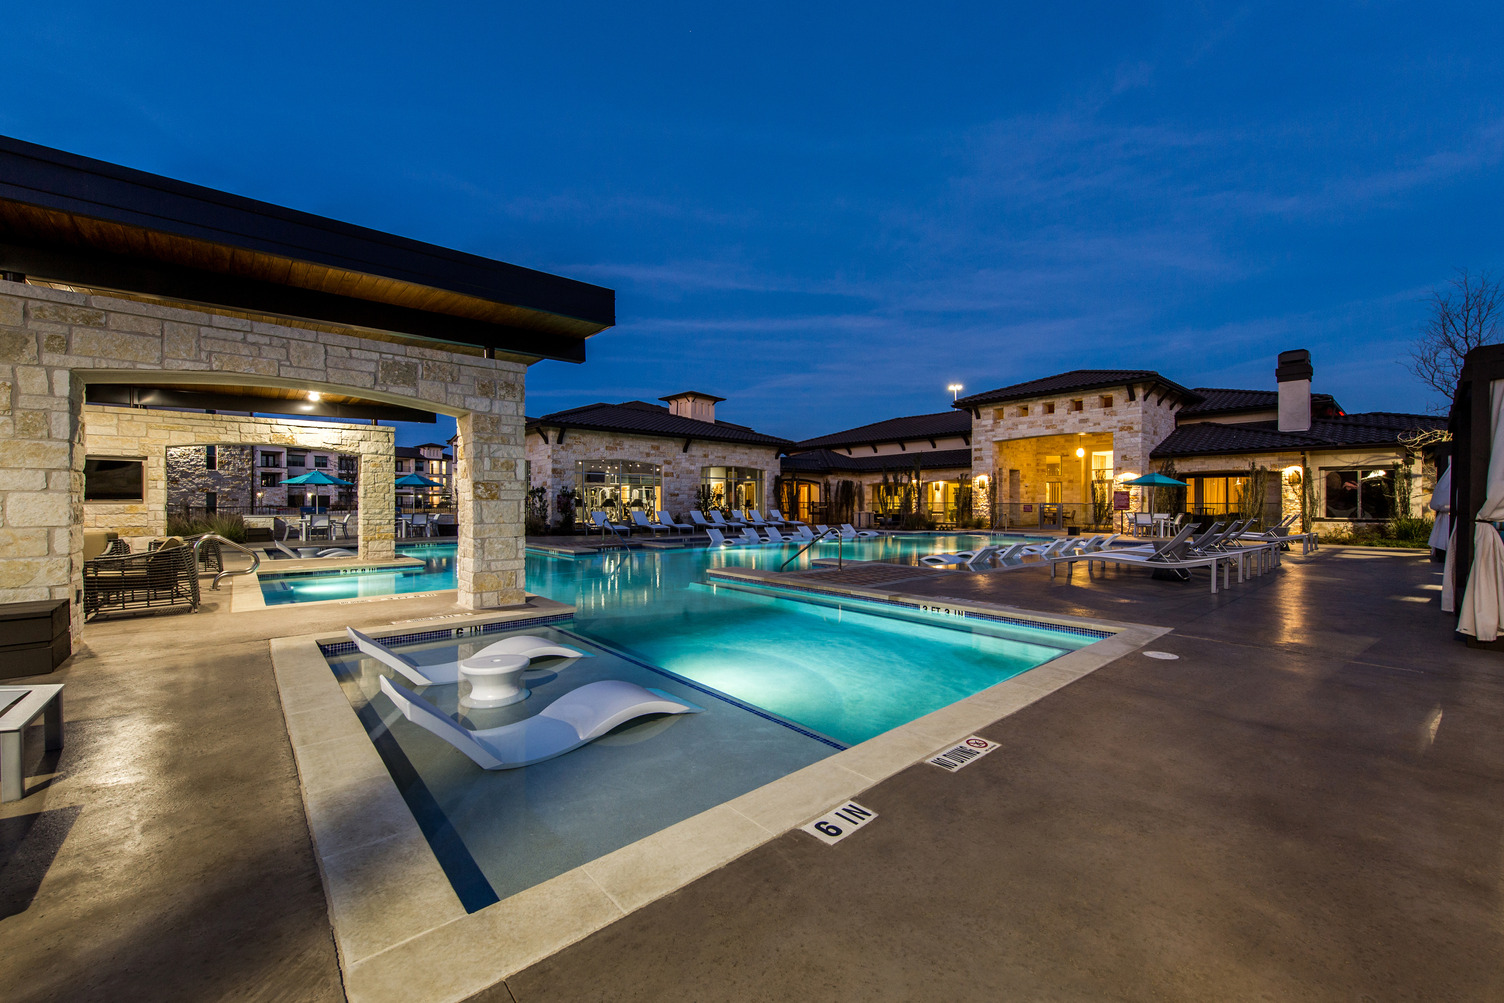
x,y
313,395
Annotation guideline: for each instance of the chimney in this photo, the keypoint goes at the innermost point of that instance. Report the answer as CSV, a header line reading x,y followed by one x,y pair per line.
x,y
1294,377
690,404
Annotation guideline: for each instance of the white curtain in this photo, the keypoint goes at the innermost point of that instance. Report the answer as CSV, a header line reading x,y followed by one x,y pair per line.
x,y
1484,596
1441,504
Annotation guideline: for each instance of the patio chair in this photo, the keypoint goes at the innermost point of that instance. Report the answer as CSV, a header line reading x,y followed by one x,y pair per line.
x,y
718,539
698,518
803,535
600,522
754,518
574,719
422,523
777,519
1143,523
156,579
642,522
776,537
751,538
341,527
668,520
529,646
282,529
719,520
319,524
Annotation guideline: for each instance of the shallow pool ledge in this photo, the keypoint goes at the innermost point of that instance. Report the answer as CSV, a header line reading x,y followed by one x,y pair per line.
x,y
396,919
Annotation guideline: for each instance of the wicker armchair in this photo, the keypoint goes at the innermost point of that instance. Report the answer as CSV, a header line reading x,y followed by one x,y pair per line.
x,y
160,578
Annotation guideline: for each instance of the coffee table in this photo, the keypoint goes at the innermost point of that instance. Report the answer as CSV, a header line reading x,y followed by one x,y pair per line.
x,y
495,680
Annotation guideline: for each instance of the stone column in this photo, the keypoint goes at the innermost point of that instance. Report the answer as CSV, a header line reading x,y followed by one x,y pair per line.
x,y
488,504
377,490
41,469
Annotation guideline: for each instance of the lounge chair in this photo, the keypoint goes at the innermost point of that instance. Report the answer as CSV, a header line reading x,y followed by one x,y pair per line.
x,y
575,719
776,518
965,558
668,520
776,537
529,646
852,533
642,522
803,535
1171,555
716,519
750,537
717,539
336,552
281,528
599,521
754,518
165,577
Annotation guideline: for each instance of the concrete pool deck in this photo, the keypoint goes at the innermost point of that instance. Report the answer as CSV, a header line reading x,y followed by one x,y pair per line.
x,y
1304,805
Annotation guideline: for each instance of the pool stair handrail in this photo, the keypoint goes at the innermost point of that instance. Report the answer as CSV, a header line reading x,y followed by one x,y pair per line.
x,y
530,646
216,538
574,719
840,548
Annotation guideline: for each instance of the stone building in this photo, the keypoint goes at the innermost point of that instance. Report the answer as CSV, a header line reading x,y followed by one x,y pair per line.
x,y
937,445
1057,449
636,455
205,477
123,294
431,460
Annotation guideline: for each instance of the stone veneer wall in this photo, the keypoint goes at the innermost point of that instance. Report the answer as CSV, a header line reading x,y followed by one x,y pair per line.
x,y
52,342
553,463
189,477
118,431
1136,427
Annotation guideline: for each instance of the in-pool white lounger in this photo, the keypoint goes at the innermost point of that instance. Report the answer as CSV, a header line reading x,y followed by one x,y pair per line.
x,y
576,718
529,646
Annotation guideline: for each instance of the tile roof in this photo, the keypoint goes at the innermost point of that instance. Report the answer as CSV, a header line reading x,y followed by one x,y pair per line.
x,y
1220,400
820,460
1375,428
642,418
1074,381
945,424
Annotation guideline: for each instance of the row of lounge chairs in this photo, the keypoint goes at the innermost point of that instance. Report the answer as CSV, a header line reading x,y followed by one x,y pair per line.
x,y
750,538
569,722
665,523
1220,546
1015,553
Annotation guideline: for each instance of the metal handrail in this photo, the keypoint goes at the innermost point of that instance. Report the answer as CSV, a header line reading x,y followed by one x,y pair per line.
x,y
840,549
253,555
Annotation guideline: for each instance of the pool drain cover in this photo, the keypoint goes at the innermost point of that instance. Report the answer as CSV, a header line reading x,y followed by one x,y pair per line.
x,y
1165,655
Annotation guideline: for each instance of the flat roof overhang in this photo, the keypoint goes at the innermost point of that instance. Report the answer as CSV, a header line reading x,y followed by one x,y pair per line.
x,y
75,221
257,400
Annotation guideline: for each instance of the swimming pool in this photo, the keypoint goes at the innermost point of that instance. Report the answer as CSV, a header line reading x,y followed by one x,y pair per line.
x,y
784,681
437,572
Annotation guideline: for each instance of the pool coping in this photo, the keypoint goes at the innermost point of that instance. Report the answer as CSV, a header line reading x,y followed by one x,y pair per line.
x,y
396,918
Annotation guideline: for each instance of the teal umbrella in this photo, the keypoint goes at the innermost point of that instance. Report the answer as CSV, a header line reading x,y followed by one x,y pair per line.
x,y
319,479
416,481
1154,481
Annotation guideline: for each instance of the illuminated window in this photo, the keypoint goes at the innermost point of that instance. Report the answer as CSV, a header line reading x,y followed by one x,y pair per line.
x,y
1078,405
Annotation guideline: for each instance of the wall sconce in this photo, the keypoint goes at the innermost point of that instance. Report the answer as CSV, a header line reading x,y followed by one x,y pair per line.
x,y
1080,453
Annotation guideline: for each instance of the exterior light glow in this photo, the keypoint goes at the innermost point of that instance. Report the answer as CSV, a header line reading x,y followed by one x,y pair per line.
x,y
1080,452
955,390
313,395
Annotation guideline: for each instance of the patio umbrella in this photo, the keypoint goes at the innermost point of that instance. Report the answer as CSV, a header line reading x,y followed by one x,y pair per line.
x,y
1152,481
317,478
416,481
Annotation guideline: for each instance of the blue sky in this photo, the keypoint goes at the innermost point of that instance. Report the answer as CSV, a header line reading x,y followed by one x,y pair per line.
x,y
826,215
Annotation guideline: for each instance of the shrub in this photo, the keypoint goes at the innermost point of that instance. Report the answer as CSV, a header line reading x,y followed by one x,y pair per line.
x,y
537,511
231,527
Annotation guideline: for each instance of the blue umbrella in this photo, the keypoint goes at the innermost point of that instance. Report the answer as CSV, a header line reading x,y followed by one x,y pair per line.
x,y
1155,481
416,481
319,479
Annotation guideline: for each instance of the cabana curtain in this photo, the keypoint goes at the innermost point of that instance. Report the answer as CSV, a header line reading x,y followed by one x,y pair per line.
x,y
1483,598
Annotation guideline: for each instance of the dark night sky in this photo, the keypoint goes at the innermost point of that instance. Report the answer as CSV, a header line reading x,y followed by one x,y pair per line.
x,y
826,213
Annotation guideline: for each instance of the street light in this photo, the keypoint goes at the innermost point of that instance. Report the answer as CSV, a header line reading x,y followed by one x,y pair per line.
x,y
955,390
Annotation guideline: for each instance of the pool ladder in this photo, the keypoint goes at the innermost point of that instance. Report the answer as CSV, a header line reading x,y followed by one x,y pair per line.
x,y
216,538
840,549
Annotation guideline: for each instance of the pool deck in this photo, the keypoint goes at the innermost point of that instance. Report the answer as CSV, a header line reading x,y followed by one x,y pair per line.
x,y
1306,804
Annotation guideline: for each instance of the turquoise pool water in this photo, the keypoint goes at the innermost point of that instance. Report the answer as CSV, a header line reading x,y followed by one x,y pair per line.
x,y
846,670
437,572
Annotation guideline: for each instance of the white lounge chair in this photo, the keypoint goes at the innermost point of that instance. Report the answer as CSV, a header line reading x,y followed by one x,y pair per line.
x,y
750,537
599,521
336,552
575,719
776,537
668,520
529,646
754,518
716,519
776,518
803,535
965,558
642,522
852,533
717,539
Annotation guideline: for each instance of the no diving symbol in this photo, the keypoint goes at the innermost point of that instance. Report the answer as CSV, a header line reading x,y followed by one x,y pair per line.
x,y
977,743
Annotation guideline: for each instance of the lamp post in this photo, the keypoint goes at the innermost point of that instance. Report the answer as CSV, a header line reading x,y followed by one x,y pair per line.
x,y
955,391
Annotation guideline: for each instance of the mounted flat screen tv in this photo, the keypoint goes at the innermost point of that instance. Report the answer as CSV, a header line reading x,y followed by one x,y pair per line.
x,y
113,480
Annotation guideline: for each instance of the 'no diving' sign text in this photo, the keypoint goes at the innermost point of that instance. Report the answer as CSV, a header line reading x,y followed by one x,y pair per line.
x,y
962,755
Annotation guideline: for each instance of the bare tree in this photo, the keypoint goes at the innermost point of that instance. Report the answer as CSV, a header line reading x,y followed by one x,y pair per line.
x,y
1464,315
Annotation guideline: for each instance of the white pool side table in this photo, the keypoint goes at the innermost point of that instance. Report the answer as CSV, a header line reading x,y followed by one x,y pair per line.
x,y
495,680
19,707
